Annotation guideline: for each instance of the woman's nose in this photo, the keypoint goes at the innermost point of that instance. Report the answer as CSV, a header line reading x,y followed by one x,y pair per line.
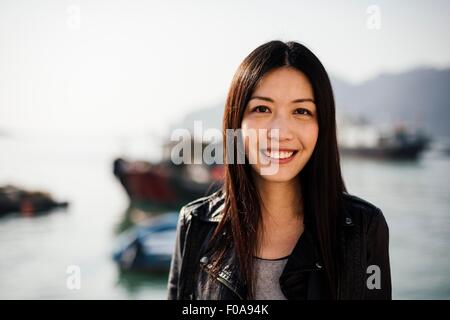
x,y
279,129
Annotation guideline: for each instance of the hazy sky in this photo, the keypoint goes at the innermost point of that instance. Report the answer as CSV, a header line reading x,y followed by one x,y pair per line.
x,y
124,66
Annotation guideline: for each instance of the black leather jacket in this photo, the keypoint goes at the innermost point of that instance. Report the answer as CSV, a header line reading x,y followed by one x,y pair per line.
x,y
364,242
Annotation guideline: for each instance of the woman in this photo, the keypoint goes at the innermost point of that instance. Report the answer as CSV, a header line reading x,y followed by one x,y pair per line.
x,y
291,232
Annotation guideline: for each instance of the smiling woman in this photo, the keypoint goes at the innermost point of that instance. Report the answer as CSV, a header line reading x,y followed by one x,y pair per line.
x,y
293,233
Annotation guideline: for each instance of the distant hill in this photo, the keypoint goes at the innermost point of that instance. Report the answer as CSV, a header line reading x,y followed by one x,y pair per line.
x,y
418,97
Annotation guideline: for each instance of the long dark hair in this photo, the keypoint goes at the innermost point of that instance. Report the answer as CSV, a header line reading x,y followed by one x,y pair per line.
x,y
321,176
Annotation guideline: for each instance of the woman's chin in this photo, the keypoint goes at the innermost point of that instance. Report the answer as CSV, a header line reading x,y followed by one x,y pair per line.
x,y
276,175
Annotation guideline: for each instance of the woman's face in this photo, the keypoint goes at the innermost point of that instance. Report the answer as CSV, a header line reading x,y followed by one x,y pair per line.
x,y
283,100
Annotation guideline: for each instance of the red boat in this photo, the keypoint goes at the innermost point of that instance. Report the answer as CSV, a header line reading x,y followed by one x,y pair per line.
x,y
165,185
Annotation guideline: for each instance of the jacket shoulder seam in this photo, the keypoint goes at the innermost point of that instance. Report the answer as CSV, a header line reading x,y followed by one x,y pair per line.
x,y
190,207
361,203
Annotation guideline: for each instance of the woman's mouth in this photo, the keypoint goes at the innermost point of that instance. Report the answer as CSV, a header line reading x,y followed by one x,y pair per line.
x,y
280,156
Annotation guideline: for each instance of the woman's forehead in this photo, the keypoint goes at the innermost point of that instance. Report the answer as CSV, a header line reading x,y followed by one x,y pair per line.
x,y
284,84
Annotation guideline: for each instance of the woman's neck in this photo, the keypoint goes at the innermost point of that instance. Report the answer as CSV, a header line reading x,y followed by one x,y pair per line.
x,y
281,201
281,218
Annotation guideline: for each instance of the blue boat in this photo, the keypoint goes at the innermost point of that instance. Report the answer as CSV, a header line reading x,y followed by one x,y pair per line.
x,y
149,247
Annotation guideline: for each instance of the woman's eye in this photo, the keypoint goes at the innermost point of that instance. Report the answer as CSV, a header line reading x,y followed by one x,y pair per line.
x,y
260,109
302,111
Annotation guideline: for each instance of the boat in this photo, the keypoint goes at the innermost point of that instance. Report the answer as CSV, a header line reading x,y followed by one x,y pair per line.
x,y
165,184
357,137
26,202
147,247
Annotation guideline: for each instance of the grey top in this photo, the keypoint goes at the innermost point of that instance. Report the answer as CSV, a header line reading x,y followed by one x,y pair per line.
x,y
268,272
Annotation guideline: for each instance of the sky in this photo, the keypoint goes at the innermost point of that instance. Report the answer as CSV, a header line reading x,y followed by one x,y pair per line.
x,y
122,66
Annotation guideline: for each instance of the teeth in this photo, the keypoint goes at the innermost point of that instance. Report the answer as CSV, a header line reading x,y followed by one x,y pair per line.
x,y
278,155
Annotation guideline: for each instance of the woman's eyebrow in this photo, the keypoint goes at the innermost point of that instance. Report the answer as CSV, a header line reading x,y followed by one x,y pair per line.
x,y
271,100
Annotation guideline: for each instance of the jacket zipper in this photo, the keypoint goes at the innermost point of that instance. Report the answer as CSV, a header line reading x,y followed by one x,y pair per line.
x,y
223,281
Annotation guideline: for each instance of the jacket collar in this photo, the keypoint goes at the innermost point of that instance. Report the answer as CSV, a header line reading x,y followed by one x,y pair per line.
x,y
295,280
